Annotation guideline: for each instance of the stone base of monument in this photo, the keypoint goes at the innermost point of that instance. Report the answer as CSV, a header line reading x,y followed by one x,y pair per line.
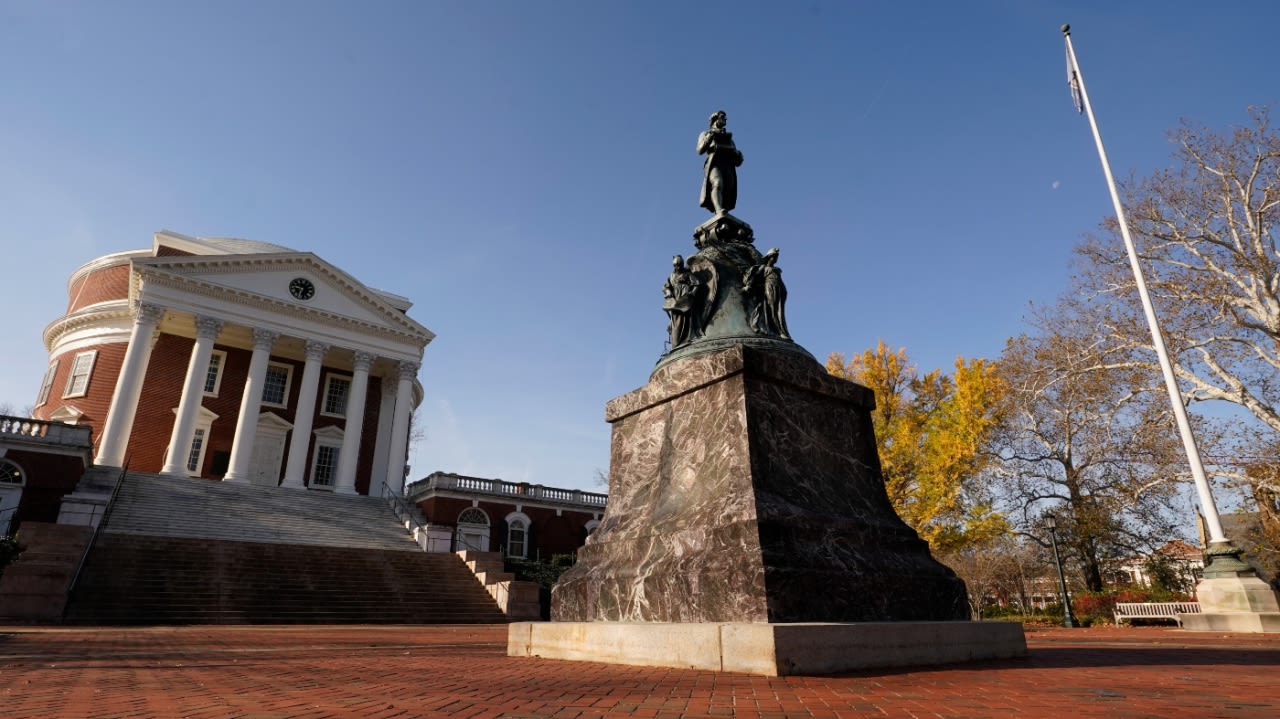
x,y
1235,604
769,649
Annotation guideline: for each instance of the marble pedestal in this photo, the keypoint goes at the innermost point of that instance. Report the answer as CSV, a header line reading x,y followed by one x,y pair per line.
x,y
1235,604
745,487
748,530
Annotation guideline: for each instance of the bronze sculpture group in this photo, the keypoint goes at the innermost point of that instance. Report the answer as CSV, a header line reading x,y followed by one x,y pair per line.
x,y
692,296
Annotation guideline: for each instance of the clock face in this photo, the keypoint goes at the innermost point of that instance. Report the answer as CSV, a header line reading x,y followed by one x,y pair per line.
x,y
302,288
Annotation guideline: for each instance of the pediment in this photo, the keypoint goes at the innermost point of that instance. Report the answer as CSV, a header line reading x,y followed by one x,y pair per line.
x,y
318,287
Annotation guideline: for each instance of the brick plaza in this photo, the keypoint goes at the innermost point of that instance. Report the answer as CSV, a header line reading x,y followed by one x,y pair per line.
x,y
462,671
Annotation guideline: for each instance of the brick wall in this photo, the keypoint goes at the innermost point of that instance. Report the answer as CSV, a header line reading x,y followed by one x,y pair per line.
x,y
49,477
552,534
110,283
102,384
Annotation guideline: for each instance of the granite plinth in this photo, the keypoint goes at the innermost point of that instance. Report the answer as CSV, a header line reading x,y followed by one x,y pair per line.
x,y
1235,604
769,649
745,487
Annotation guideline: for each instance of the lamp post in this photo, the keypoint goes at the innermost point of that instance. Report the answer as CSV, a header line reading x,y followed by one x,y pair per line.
x,y
1051,523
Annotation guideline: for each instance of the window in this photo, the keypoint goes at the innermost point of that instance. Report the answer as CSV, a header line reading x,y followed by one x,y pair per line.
x,y
275,386
515,538
47,383
326,466
81,368
473,516
197,451
335,396
10,473
213,376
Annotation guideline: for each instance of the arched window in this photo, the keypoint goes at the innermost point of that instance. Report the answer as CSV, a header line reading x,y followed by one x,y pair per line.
x,y
11,480
519,530
473,530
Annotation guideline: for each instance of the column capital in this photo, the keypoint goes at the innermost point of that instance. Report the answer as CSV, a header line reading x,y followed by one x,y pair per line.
x,y
264,339
208,327
316,350
149,314
408,370
361,360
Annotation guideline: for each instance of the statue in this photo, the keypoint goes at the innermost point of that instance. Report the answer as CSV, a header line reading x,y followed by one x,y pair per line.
x,y
720,170
682,300
766,297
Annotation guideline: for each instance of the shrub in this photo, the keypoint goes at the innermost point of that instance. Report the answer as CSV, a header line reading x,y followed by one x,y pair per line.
x,y
8,551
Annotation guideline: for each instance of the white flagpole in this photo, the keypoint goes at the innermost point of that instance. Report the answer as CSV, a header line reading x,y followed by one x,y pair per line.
x,y
1216,535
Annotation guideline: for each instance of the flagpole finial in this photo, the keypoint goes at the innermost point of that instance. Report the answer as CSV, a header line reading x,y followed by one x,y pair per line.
x,y
1066,29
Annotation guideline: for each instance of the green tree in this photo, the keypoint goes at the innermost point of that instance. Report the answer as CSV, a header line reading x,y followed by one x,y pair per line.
x,y
930,431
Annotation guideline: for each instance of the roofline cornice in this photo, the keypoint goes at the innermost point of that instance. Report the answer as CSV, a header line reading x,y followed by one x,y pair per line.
x,y
94,314
102,263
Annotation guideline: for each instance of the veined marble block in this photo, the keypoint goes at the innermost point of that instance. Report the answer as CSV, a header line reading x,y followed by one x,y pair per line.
x,y
745,487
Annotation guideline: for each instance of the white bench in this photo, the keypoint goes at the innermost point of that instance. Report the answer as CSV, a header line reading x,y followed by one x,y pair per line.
x,y
1154,610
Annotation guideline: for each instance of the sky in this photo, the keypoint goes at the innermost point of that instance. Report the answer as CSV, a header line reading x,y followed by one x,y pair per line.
x,y
524,171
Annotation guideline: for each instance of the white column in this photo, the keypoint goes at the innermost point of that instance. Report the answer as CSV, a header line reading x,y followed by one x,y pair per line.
x,y
350,451
300,439
400,428
381,447
124,400
184,426
250,405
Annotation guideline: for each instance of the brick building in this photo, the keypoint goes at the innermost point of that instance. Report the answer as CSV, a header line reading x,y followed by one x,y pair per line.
x,y
517,519
239,361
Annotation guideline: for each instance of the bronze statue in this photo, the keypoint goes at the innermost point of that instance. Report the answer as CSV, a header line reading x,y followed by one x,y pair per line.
x,y
720,170
766,297
682,302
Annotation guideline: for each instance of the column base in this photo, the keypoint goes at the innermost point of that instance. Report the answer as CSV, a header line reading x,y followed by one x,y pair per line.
x,y
769,649
1235,604
235,478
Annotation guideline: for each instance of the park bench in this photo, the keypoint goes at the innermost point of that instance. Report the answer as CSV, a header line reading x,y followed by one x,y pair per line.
x,y
1154,610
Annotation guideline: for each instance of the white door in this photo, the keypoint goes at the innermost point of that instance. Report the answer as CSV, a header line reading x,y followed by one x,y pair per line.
x,y
9,497
268,454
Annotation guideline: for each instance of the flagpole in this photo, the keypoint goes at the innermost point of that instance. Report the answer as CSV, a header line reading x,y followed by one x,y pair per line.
x,y
1216,536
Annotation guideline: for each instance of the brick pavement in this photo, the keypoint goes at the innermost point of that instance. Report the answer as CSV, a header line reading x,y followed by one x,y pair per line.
x,y
462,671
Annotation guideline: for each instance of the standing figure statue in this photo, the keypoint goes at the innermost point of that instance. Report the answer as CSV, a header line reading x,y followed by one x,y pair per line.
x,y
682,302
720,170
766,297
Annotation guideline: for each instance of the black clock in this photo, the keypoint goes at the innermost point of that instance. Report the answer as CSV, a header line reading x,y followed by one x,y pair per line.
x,y
302,288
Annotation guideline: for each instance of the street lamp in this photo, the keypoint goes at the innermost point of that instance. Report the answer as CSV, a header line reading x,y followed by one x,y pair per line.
x,y
1051,523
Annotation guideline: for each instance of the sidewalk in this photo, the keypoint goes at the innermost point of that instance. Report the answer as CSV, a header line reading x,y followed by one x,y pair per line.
x,y
463,671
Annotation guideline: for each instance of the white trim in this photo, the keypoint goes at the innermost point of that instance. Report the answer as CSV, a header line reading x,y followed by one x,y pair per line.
x,y
66,413
204,423
22,474
526,523
331,437
217,378
46,384
87,373
324,395
288,384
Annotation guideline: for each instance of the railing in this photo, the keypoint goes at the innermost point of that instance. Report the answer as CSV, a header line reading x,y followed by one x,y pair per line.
x,y
405,513
441,480
43,432
97,529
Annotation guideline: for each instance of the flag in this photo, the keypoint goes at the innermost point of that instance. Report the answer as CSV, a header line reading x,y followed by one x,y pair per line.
x,y
1073,81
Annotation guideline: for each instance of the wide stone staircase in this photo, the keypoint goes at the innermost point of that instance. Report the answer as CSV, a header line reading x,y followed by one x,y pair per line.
x,y
189,551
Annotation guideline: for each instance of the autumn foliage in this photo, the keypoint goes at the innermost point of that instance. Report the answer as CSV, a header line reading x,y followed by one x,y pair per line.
x,y
930,431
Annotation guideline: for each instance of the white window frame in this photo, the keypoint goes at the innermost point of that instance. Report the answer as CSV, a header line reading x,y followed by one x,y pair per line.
x,y
324,397
87,373
325,437
47,384
524,540
217,379
288,384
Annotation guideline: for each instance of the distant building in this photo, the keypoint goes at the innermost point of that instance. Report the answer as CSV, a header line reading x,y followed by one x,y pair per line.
x,y
517,519
236,360
1186,561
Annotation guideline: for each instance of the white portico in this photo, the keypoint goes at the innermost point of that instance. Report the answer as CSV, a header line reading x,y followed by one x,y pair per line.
x,y
313,338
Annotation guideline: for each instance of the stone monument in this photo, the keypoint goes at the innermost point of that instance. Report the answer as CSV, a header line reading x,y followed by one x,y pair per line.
x,y
748,528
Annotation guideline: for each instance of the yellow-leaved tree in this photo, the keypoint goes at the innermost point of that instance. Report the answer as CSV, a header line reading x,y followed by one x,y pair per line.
x,y
931,430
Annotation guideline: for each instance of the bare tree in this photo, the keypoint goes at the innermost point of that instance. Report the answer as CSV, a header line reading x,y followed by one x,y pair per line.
x,y
1084,438
1206,234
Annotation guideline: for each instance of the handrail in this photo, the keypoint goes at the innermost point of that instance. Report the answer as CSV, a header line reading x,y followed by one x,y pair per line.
x,y
97,529
404,512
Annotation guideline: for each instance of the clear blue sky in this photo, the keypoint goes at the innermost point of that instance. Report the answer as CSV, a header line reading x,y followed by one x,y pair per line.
x,y
523,171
